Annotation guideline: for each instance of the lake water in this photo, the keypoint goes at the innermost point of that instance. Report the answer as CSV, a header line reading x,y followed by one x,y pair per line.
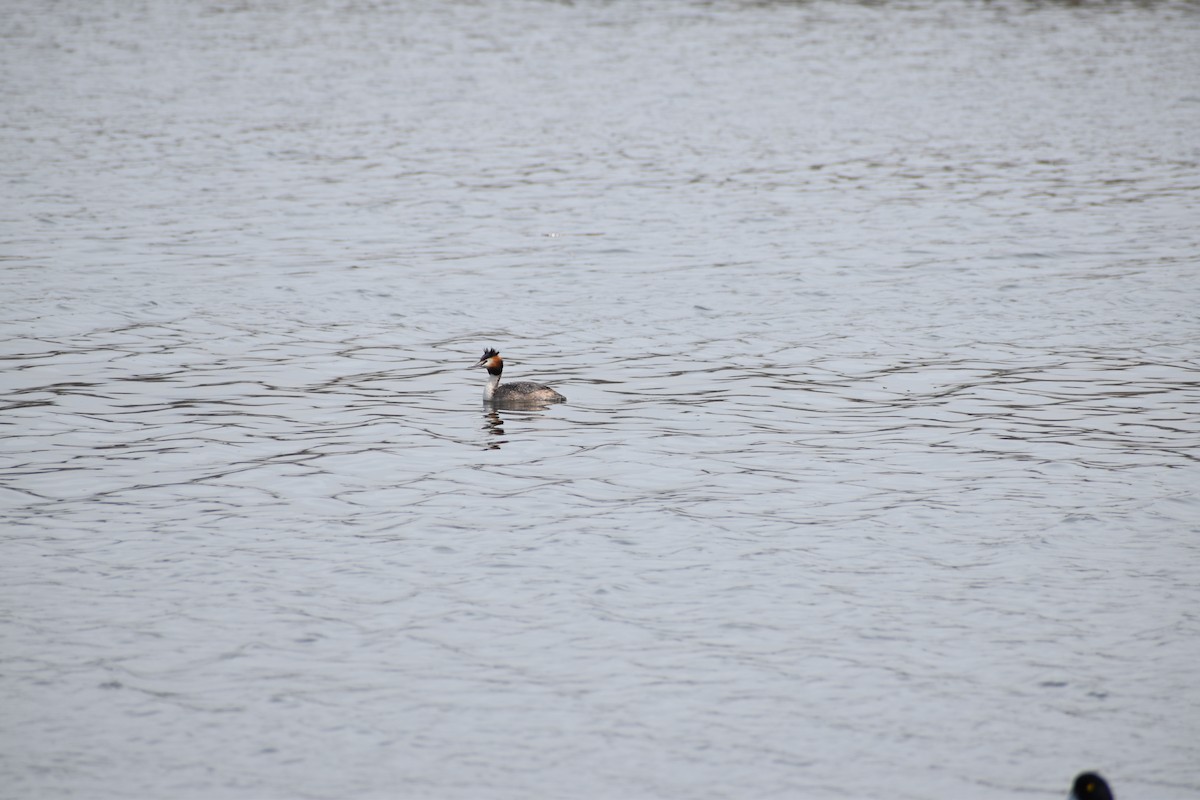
x,y
879,329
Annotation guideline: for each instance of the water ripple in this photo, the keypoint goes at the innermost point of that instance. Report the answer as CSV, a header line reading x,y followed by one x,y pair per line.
x,y
878,327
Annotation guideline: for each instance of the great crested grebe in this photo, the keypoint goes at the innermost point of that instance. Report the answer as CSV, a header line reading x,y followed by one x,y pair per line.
x,y
522,392
1090,786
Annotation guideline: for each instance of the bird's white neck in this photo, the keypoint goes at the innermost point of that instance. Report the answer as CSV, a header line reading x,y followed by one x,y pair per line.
x,y
489,391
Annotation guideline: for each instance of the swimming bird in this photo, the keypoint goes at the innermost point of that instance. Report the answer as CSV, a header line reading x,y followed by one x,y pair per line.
x,y
1090,786
512,394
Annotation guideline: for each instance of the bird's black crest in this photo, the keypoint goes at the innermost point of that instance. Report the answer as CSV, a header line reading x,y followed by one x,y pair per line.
x,y
489,352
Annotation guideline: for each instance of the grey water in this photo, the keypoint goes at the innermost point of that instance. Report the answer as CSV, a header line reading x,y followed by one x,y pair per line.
x,y
878,324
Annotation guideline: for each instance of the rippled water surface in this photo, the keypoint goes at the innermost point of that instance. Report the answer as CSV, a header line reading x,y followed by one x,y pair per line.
x,y
878,327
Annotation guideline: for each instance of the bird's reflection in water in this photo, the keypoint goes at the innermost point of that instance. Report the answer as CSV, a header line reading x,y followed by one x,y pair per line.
x,y
493,423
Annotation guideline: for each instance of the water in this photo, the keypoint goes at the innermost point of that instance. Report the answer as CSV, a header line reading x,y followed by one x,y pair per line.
x,y
878,328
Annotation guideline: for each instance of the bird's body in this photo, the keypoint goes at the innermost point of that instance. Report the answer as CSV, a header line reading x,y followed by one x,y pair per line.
x,y
520,393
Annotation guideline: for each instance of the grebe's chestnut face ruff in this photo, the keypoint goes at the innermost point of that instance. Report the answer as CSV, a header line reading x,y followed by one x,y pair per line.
x,y
490,359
